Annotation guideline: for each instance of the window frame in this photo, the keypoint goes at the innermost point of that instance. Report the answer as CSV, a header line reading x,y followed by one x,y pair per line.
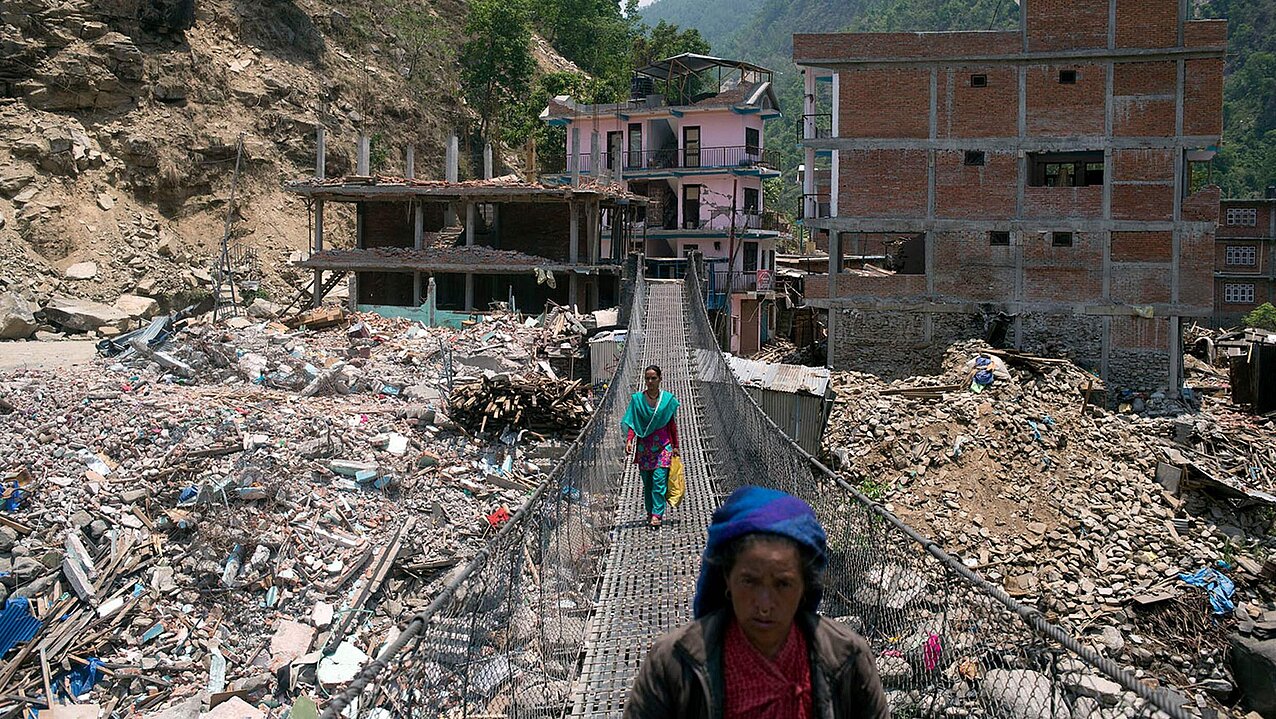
x,y
755,207
755,148
1068,77
1063,239
1241,256
615,146
634,149
1079,173
687,146
979,80
975,158
1232,293
1240,217
994,237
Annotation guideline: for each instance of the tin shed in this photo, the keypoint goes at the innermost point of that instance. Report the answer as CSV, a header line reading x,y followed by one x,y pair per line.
x,y
795,397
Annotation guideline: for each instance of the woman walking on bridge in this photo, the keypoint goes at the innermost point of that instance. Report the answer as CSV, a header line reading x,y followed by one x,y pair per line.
x,y
650,424
757,648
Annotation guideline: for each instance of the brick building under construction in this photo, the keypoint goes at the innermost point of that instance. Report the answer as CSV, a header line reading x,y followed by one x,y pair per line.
x,y
1045,183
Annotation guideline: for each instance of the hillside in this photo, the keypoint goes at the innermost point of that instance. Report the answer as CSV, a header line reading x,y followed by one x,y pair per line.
x,y
717,20
1247,162
118,129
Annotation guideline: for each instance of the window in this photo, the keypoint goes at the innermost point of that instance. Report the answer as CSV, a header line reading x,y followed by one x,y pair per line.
x,y
752,141
998,238
688,249
979,81
750,257
1242,255
1067,77
691,207
751,198
635,144
1061,239
975,157
1065,169
1242,217
691,147
1238,294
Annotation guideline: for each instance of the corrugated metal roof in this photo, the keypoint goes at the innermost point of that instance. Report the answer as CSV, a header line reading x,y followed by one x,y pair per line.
x,y
790,378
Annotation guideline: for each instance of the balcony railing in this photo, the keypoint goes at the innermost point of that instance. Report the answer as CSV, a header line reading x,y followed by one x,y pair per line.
x,y
723,281
821,126
768,221
739,156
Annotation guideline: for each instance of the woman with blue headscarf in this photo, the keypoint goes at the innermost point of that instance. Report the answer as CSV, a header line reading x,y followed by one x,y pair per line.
x,y
650,424
757,648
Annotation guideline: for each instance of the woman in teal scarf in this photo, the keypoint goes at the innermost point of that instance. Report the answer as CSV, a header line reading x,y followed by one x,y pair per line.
x,y
649,422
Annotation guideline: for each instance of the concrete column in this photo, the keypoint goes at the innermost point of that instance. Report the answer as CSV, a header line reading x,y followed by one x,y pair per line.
x,y
592,234
449,214
487,161
471,223
321,151
453,159
573,288
835,262
364,156
409,163
595,162
832,340
573,233
469,291
316,299
573,157
1176,354
418,241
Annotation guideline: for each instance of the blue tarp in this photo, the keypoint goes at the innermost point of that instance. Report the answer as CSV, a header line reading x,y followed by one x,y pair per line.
x,y
1219,587
16,624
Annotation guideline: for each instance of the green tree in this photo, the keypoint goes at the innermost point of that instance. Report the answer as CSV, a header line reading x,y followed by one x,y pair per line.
x,y
496,61
1246,163
1263,317
666,40
421,35
594,34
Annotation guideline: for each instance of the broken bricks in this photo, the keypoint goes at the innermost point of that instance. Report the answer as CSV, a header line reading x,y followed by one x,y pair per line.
x,y
193,530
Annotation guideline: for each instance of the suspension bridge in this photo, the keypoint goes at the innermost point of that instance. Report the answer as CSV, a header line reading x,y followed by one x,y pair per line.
x,y
553,618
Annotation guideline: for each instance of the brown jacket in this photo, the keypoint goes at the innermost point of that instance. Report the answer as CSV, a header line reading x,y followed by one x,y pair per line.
x,y
682,674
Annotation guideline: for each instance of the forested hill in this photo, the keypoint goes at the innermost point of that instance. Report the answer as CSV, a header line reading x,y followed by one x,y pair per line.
x,y
717,20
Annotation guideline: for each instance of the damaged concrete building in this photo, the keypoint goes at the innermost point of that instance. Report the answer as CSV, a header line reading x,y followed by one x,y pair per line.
x,y
1040,186
425,245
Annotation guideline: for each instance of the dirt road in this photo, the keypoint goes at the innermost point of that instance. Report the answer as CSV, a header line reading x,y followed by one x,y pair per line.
x,y
45,355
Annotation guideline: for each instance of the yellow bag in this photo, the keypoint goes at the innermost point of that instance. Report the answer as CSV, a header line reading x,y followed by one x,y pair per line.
x,y
677,483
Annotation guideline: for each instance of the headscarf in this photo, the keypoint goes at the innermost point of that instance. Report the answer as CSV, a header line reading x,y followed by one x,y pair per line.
x,y
643,420
752,510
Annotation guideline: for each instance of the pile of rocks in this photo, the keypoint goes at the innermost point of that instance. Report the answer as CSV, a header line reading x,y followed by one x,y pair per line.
x,y
1045,492
195,537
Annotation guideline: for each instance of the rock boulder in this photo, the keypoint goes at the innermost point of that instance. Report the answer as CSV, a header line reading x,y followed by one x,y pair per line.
x,y
17,320
84,315
1254,667
139,308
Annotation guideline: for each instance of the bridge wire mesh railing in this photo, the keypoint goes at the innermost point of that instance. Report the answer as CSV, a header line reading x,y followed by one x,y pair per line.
x,y
947,642
505,635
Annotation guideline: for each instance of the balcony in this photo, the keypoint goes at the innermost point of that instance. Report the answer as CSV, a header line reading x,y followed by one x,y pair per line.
x,y
723,282
672,158
767,221
816,126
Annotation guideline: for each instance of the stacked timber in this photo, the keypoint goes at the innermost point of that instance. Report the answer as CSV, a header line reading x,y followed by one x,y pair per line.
x,y
531,402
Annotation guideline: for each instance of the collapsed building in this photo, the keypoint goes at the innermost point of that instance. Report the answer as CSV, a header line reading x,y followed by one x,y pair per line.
x,y
1043,186
421,245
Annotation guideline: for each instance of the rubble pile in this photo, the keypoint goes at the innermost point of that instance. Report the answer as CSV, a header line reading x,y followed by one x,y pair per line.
x,y
190,523
1074,509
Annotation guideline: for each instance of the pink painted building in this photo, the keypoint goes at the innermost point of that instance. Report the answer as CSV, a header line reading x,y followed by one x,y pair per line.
x,y
691,140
